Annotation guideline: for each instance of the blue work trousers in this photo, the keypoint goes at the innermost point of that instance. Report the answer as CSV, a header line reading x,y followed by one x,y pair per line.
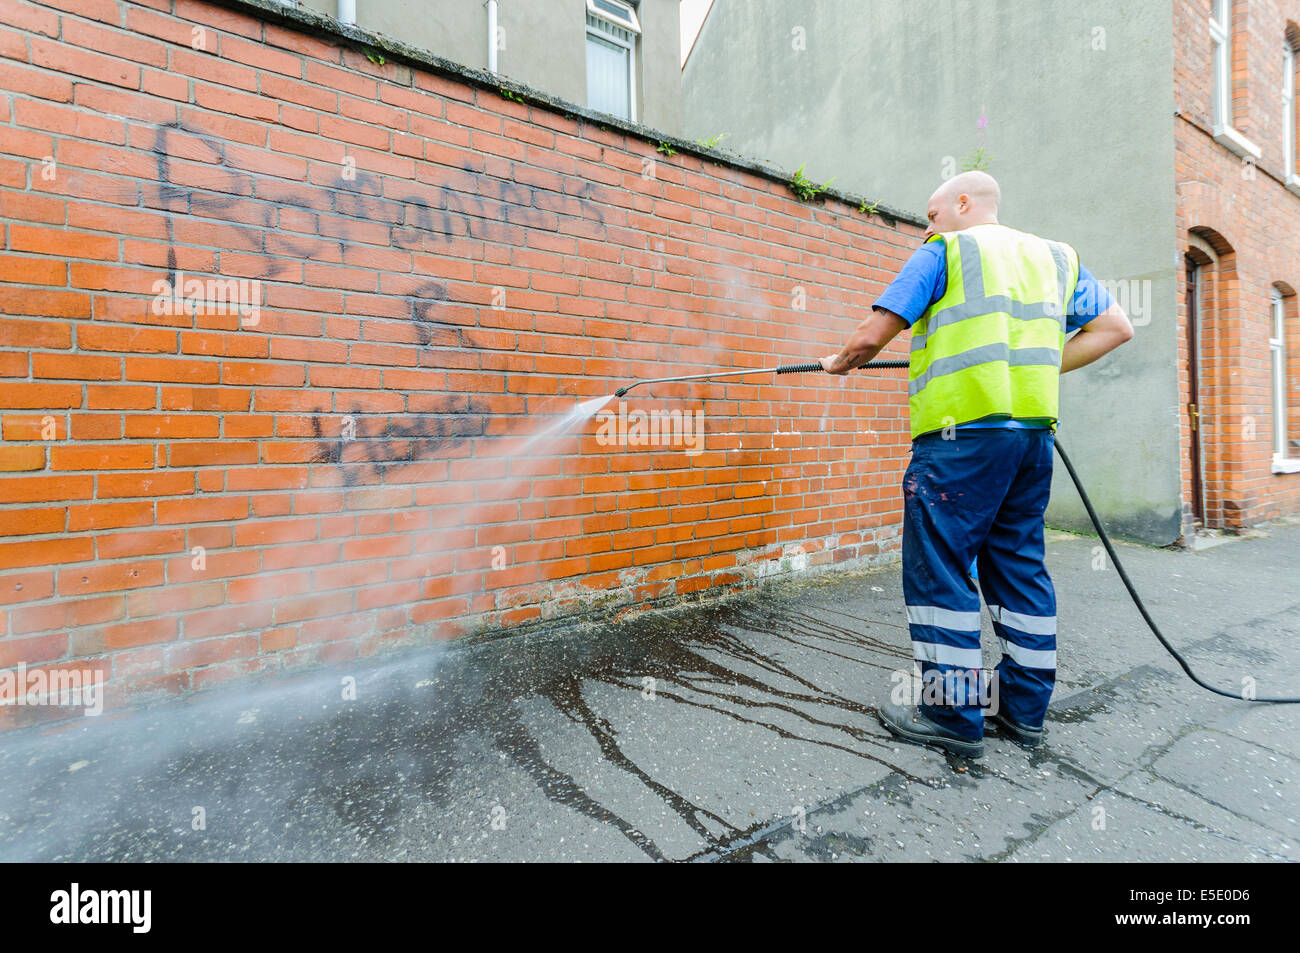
x,y
979,498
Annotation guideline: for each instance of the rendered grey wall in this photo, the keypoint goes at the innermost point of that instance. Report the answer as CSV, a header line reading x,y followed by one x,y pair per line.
x,y
545,44
887,96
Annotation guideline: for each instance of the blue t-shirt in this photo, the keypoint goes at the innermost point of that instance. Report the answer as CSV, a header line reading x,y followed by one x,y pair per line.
x,y
923,280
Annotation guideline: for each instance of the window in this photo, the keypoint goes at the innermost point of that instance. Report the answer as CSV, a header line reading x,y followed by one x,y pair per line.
x,y
612,31
1288,114
1225,133
1221,36
1284,454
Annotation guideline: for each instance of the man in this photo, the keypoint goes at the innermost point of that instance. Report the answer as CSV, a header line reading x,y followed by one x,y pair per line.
x,y
989,308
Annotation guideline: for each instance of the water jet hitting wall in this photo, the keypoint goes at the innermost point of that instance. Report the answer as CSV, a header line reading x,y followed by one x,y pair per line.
x,y
443,274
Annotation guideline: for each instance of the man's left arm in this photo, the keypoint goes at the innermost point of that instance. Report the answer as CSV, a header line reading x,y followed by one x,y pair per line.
x,y
1098,323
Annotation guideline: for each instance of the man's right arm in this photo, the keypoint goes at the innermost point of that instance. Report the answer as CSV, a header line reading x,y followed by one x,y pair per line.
x,y
913,290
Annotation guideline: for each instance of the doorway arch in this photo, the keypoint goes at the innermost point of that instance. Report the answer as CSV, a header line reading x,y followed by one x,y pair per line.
x,y
1212,427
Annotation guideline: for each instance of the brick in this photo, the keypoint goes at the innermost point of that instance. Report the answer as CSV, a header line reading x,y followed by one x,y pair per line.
x,y
149,23
25,587
119,103
202,510
33,271
76,367
278,639
109,516
153,483
44,552
209,651
32,82
107,457
212,675
171,370
66,244
19,459
262,57
33,522
139,632
236,103
13,364
78,62
31,651
331,77
199,454
114,43
74,614
31,19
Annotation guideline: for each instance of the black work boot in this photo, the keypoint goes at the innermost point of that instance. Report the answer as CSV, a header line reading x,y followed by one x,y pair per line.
x,y
911,725
1020,734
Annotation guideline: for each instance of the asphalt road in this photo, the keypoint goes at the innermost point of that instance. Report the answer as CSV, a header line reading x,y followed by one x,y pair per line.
x,y
742,729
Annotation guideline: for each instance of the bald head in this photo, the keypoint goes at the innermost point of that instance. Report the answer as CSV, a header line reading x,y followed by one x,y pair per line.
x,y
971,198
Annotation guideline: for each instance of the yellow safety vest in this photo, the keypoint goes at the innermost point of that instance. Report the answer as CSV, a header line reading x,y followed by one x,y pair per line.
x,y
992,344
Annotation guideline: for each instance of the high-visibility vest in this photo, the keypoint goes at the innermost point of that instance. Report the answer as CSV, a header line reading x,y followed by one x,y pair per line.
x,y
992,344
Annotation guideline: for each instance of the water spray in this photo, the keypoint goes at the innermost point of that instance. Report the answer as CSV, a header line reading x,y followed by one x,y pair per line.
x,y
1078,485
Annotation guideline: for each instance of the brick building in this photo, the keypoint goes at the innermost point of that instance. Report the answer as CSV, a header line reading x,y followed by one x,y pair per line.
x,y
1235,76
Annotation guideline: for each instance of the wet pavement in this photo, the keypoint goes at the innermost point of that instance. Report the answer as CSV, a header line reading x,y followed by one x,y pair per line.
x,y
743,730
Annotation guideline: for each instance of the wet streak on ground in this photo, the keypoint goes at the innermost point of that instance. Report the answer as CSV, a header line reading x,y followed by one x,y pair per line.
x,y
706,660
367,761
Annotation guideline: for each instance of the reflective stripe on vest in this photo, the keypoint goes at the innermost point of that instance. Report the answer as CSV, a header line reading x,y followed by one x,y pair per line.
x,y
992,343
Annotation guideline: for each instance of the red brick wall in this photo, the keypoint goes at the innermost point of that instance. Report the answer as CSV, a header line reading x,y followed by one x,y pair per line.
x,y
185,499
1250,221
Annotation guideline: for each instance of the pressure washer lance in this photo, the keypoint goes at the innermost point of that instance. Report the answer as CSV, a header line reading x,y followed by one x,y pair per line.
x,y
1078,485
787,369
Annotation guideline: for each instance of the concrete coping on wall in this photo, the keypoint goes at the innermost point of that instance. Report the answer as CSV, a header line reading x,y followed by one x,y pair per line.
x,y
312,21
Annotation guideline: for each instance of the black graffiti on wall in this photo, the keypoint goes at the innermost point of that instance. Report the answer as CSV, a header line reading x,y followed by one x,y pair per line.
x,y
196,179
367,447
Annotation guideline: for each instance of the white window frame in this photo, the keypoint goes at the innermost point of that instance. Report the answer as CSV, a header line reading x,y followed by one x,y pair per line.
x,y
623,14
1277,364
630,24
1221,37
1288,118
1221,88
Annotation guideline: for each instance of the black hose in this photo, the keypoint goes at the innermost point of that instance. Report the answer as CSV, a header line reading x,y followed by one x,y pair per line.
x,y
1137,600
1096,522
